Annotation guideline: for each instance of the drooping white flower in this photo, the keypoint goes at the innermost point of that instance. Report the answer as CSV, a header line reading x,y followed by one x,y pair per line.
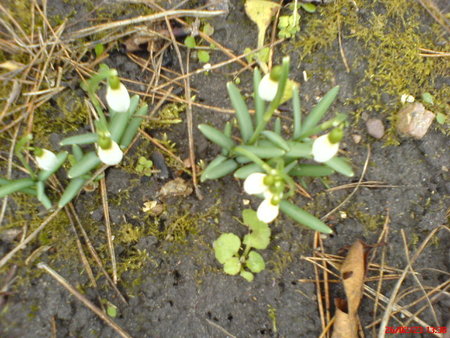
x,y
267,211
118,99
267,89
254,185
46,160
110,156
323,149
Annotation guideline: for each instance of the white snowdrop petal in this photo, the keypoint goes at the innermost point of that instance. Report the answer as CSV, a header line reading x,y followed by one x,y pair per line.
x,y
267,212
254,184
267,88
323,150
111,156
118,99
47,161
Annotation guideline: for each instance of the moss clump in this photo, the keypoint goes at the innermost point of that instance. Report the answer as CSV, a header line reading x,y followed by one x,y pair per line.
x,y
381,41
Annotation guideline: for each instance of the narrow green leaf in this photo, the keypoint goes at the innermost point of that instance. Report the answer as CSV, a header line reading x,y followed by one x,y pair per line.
x,y
265,151
341,165
87,138
15,185
71,191
313,170
221,170
320,109
260,105
88,162
134,102
276,139
246,170
242,160
242,114
117,125
77,152
303,217
42,197
297,112
214,163
61,158
277,126
227,132
133,126
299,150
216,136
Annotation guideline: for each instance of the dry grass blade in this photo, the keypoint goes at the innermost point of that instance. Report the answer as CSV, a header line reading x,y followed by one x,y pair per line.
x,y
390,305
436,13
84,300
366,163
432,53
140,19
109,236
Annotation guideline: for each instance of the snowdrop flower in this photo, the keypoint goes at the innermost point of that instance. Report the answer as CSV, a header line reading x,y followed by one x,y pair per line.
x,y
117,96
256,184
46,160
326,146
268,87
109,151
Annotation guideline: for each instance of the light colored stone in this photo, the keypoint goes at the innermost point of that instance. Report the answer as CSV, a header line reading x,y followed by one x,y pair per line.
x,y
413,120
375,128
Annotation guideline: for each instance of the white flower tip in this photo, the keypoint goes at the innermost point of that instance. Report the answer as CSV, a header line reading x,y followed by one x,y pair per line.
x,y
47,161
254,184
407,98
323,150
111,156
267,89
267,212
118,99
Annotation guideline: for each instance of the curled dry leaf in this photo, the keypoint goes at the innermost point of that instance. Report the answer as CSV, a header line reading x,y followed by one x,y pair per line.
x,y
353,272
344,326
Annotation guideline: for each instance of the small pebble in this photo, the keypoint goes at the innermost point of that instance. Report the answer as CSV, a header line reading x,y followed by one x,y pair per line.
x,y
356,138
413,120
375,128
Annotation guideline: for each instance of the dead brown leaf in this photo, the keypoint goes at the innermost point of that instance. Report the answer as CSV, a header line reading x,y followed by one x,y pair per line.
x,y
345,326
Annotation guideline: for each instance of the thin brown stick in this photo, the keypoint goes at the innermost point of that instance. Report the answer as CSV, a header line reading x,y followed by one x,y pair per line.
x,y
366,163
341,48
109,237
390,305
318,285
83,299
147,18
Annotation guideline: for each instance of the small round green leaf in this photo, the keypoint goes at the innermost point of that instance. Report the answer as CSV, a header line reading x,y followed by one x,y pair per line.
x,y
232,266
259,237
247,275
226,246
255,262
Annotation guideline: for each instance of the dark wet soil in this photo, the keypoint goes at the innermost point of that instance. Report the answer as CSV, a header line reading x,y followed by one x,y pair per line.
x,y
180,291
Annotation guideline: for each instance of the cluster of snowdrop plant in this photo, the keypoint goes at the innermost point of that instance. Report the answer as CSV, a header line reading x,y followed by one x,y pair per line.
x,y
113,134
271,161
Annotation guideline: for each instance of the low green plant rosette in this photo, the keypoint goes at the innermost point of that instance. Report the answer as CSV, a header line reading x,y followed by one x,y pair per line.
x,y
263,150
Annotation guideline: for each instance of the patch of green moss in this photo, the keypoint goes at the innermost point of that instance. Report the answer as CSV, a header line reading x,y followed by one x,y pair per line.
x,y
381,41
370,222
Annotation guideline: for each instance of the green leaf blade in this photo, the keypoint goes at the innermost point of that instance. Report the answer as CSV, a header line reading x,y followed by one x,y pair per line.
x,y
14,186
320,109
88,162
226,246
216,136
87,138
303,217
242,114
341,165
